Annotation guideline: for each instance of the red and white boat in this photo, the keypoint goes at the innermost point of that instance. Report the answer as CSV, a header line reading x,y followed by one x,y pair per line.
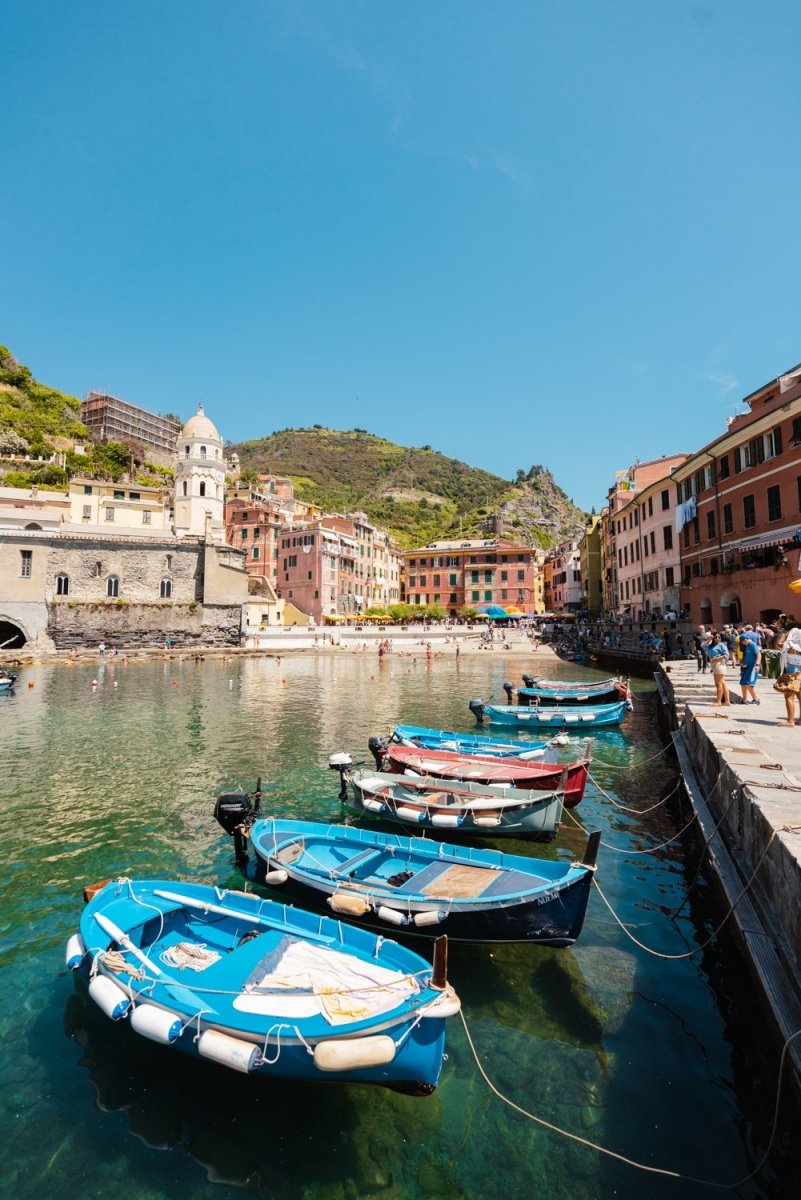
x,y
476,768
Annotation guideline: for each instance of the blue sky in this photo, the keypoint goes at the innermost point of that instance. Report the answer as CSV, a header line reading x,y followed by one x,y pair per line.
x,y
522,232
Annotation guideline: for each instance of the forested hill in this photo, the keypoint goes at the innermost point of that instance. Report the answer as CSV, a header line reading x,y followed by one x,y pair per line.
x,y
418,493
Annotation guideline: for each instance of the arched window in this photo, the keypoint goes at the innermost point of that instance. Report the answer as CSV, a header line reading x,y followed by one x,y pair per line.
x,y
186,451
33,525
165,589
184,487
62,585
202,451
203,489
113,586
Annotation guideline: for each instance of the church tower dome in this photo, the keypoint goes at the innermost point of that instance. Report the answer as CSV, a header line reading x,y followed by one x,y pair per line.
x,y
199,480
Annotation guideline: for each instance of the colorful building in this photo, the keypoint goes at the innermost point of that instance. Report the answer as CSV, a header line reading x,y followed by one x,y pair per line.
x,y
738,511
468,574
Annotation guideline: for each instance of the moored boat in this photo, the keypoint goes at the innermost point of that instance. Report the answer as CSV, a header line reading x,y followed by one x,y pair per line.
x,y
261,987
558,693
424,887
469,809
472,743
7,680
574,717
449,764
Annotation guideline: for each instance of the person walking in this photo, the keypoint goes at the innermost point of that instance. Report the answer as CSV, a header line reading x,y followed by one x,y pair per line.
x,y
749,668
702,639
789,681
718,656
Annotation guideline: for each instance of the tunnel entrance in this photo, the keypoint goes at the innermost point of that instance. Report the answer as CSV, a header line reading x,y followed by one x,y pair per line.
x,y
11,636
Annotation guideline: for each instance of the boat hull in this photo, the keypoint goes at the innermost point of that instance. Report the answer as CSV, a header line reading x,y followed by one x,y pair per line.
x,y
553,916
575,719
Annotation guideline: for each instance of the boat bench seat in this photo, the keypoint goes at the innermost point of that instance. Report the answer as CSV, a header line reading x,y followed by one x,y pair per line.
x,y
422,878
513,881
359,859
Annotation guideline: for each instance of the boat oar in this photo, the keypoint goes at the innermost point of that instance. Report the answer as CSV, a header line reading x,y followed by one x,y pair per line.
x,y
117,934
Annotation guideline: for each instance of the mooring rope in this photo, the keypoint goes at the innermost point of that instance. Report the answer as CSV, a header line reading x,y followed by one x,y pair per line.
x,y
633,766
625,807
631,1162
716,931
648,849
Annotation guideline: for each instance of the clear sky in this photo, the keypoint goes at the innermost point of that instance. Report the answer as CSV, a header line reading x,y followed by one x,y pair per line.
x,y
523,232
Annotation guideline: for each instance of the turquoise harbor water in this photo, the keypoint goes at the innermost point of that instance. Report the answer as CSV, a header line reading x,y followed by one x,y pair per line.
x,y
666,1062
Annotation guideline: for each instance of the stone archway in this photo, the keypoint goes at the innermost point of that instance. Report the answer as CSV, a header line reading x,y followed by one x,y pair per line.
x,y
12,636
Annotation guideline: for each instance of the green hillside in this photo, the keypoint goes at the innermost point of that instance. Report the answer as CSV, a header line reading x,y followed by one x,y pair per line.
x,y
37,420
418,493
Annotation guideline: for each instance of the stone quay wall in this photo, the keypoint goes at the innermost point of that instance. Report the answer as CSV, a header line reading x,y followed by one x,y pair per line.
x,y
75,625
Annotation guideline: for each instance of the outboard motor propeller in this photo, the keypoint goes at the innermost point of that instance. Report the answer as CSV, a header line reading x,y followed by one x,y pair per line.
x,y
341,762
477,709
233,811
378,748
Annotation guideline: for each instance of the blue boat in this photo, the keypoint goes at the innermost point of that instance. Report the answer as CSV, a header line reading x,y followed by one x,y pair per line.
x,y
574,717
469,743
553,692
7,680
422,886
263,988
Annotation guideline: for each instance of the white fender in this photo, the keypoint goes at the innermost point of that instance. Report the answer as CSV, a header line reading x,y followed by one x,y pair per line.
x,y
432,917
156,1024
276,877
373,805
409,814
350,1054
487,822
109,996
446,820
392,915
75,952
228,1051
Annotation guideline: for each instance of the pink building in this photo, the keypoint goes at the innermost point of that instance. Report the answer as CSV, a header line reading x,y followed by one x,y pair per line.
x,y
622,531
253,519
647,549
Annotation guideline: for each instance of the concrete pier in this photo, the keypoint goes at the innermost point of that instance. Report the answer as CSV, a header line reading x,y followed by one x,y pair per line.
x,y
742,773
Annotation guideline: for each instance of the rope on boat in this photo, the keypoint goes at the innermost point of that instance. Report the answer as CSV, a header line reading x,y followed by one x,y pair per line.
x,y
631,1162
625,807
716,931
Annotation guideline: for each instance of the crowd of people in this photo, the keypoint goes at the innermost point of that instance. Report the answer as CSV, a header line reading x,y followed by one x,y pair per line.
x,y
741,648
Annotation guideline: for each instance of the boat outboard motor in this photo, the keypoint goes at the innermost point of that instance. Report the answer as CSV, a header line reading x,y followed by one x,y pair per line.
x,y
233,812
341,762
378,748
528,680
477,709
509,688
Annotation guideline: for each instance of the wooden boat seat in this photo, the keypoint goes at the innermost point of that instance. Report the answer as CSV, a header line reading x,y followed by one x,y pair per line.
x,y
358,859
291,853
